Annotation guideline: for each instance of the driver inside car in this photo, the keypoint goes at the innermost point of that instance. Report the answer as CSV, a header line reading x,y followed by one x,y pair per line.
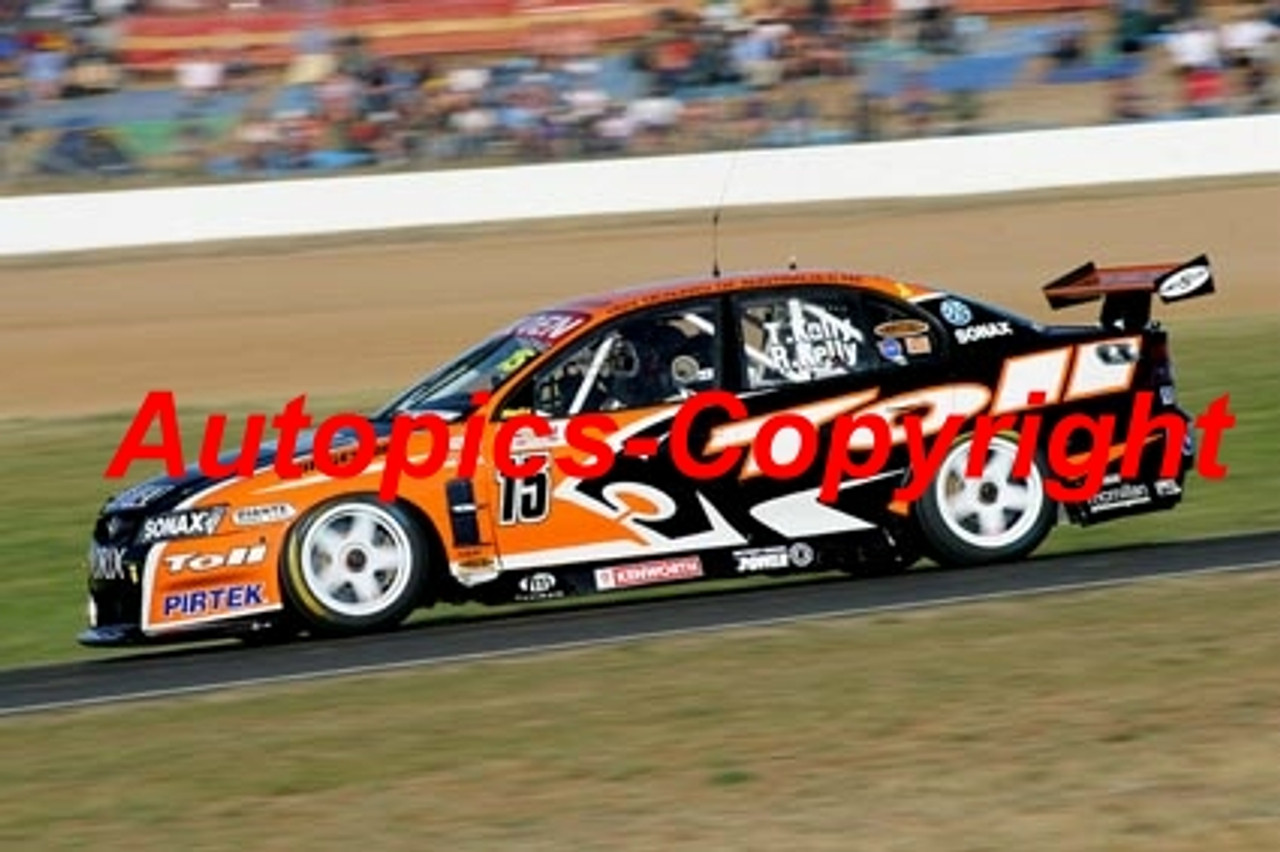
x,y
653,363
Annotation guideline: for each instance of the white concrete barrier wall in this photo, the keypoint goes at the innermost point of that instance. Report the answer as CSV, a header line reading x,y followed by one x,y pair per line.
x,y
886,170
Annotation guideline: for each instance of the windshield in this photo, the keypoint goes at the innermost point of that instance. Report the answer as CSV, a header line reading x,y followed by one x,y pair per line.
x,y
485,367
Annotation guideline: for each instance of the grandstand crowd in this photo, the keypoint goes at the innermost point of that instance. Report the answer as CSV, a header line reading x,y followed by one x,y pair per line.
x,y
115,86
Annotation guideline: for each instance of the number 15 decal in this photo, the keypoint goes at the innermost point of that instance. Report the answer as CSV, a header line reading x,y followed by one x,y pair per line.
x,y
526,500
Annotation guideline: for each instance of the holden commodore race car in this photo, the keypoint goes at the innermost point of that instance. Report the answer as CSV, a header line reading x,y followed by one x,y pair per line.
x,y
696,429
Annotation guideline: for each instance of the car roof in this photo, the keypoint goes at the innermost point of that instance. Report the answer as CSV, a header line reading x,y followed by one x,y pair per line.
x,y
657,293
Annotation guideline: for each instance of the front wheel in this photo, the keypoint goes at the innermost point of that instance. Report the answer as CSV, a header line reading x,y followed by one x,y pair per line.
x,y
355,565
993,517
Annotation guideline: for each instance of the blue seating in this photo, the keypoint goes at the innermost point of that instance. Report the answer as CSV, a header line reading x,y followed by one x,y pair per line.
x,y
1110,69
979,73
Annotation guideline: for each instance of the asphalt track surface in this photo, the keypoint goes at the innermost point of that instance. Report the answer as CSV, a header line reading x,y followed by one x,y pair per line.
x,y
161,673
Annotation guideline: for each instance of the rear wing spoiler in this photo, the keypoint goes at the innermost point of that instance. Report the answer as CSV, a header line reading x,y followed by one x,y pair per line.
x,y
1126,291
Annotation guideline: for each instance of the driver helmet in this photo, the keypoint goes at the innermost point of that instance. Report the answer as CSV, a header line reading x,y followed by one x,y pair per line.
x,y
648,367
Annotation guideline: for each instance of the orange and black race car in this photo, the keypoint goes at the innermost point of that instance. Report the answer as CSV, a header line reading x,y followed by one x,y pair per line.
x,y
264,555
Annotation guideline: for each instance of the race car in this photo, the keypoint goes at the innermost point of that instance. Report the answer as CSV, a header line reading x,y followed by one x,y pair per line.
x,y
722,406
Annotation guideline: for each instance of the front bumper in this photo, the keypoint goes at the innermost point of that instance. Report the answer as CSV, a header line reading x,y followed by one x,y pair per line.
x,y
112,636
115,569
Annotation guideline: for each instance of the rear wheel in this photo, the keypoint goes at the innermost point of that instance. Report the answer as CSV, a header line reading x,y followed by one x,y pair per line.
x,y
989,518
355,565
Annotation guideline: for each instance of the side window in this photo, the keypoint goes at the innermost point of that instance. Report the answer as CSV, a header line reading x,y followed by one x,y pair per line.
x,y
902,335
802,336
653,359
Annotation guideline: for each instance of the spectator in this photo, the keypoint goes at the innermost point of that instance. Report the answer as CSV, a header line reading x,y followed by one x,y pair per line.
x,y
347,99
298,134
353,57
378,88
1195,51
1127,101
192,148
1194,45
1133,23
468,81
655,119
586,104
711,63
753,117
614,130
868,117
820,55
256,140
46,67
917,104
936,31
821,18
798,121
1247,39
199,76
722,14
907,15
338,97
91,72
313,38
474,125
1204,92
1071,44
1259,88
11,87
671,61
1249,44
965,109
520,119
310,67
871,20
757,56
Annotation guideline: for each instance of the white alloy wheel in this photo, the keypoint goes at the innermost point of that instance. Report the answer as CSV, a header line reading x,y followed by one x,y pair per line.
x,y
356,559
356,564
993,510
989,517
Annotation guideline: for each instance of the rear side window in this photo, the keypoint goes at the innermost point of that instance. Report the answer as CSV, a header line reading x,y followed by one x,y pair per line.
x,y
900,334
793,337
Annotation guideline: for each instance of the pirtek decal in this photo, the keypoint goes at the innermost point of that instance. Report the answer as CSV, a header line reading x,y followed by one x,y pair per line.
x,y
211,601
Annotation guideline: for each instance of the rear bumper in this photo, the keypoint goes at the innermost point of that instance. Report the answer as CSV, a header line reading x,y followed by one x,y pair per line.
x,y
1149,491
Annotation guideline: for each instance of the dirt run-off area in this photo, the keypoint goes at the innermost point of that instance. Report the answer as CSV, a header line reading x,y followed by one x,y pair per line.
x,y
269,321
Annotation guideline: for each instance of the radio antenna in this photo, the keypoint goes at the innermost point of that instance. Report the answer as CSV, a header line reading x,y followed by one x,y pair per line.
x,y
715,217
715,243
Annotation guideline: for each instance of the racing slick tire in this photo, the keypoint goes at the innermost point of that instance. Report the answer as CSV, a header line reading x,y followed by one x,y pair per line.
x,y
993,518
355,565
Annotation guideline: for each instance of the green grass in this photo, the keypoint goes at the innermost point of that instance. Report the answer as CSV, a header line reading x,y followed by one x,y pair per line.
x,y
1140,719
52,485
